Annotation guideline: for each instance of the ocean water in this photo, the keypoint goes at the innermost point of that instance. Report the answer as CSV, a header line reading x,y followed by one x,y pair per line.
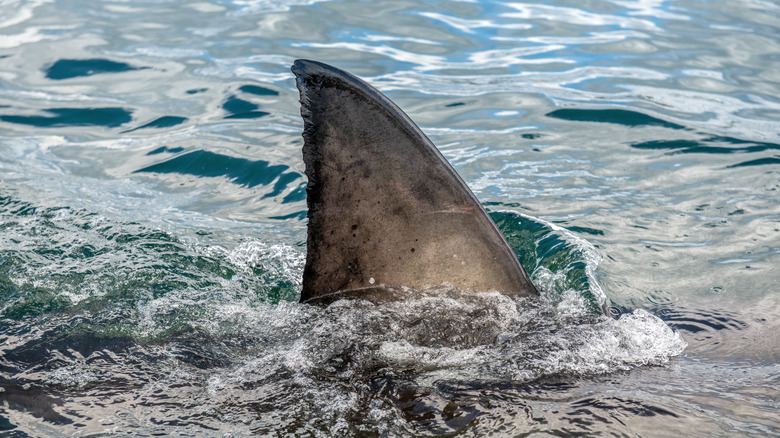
x,y
152,220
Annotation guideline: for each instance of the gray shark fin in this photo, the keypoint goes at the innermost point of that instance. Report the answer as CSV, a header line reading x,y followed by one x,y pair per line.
x,y
386,209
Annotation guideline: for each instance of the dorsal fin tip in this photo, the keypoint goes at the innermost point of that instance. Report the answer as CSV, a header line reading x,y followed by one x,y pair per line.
x,y
385,207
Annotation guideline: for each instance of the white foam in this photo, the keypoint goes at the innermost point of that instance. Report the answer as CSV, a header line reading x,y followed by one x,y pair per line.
x,y
473,336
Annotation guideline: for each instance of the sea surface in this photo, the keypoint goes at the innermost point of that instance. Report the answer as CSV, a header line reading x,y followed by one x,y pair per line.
x,y
153,220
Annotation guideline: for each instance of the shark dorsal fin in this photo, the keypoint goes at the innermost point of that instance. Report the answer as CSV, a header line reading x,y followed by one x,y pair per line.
x,y
386,209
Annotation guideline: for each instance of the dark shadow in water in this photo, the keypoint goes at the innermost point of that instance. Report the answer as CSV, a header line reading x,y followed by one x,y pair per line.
x,y
51,349
77,338
238,170
716,145
619,116
758,162
301,215
709,144
241,109
163,149
586,230
108,117
296,195
258,91
162,122
238,108
34,400
73,68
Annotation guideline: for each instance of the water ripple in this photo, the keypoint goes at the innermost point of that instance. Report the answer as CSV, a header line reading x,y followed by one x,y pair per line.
x,y
156,300
530,11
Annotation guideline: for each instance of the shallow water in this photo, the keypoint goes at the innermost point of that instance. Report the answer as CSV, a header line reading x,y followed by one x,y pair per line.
x,y
153,220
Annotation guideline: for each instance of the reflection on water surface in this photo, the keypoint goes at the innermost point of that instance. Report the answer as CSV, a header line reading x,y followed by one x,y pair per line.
x,y
152,208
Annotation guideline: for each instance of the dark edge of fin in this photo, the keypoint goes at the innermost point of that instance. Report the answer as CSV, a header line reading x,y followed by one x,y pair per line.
x,y
305,70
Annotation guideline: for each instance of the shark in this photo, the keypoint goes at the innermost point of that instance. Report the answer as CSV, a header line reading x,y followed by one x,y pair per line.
x,y
386,210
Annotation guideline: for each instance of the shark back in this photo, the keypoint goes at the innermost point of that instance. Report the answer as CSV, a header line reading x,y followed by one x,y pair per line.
x,y
385,208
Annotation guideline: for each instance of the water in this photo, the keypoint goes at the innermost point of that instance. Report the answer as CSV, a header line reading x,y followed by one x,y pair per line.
x,y
153,220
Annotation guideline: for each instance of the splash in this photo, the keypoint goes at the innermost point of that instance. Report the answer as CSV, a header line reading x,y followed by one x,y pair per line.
x,y
217,335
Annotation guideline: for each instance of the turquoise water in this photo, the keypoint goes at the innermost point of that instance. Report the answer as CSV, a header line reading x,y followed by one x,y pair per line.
x,y
152,220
